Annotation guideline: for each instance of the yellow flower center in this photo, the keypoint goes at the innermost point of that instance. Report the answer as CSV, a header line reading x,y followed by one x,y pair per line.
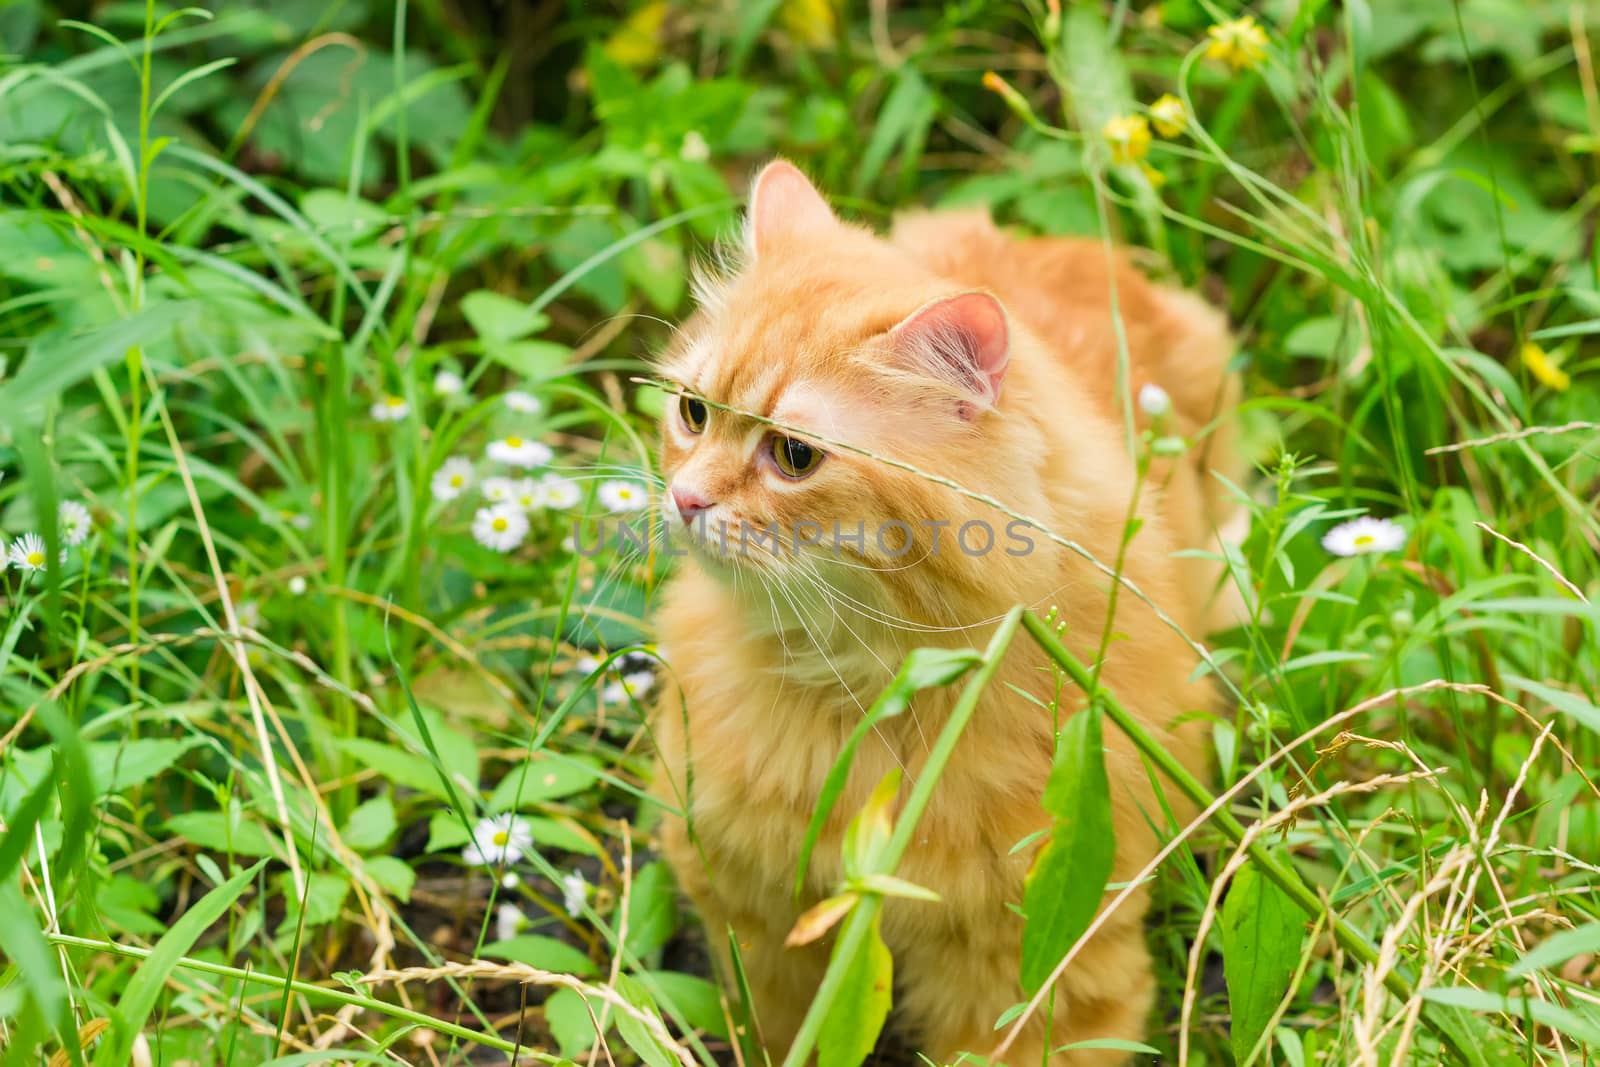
x,y
502,838
456,480
1363,540
394,401
514,442
500,524
35,559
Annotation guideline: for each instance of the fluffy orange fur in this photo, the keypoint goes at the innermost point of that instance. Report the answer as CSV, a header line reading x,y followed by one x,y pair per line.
x,y
899,347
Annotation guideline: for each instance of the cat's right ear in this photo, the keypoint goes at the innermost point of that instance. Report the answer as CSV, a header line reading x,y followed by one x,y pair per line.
x,y
783,202
962,340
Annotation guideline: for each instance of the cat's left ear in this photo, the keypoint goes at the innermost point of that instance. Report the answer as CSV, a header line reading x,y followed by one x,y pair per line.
x,y
783,201
962,340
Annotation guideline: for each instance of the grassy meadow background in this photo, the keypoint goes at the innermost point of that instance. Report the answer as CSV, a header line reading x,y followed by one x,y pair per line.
x,y
286,286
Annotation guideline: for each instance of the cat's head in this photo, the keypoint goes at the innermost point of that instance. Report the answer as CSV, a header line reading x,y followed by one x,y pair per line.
x,y
819,345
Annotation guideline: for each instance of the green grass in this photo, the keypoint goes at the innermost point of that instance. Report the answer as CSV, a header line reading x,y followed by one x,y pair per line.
x,y
250,721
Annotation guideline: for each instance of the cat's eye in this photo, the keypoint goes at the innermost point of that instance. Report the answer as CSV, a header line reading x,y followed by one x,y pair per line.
x,y
694,413
795,458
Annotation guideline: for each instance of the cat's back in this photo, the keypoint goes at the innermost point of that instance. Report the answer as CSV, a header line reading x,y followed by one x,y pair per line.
x,y
1070,292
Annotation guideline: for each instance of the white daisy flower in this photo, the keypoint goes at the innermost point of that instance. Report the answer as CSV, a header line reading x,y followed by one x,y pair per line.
x,y
501,527
75,523
520,452
249,613
510,880
452,478
448,383
1360,537
694,148
585,665
558,493
574,892
499,490
27,553
525,494
1154,401
614,693
390,409
499,840
523,403
297,585
623,496
638,683
508,922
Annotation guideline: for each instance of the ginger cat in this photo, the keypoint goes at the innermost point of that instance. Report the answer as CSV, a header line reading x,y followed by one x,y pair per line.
x,y
991,362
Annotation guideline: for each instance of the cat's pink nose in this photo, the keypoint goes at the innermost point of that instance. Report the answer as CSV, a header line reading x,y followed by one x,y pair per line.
x,y
689,504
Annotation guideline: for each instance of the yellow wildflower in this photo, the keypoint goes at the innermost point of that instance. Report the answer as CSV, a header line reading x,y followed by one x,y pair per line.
x,y
1240,43
1151,175
1540,366
1128,136
1169,116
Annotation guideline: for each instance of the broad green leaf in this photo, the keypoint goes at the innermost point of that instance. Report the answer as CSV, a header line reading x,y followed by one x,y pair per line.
x,y
325,894
496,318
641,1040
924,668
395,765
570,1021
562,835
697,1000
371,825
545,953
393,875
652,910
547,776
120,765
1068,878
147,983
1263,932
855,1018
215,830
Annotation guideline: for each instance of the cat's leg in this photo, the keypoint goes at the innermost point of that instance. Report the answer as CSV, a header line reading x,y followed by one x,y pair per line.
x,y
954,991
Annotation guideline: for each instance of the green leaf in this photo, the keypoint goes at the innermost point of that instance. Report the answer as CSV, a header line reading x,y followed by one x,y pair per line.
x,y
561,835
855,1018
1580,1026
119,765
395,765
497,318
646,1044
147,983
567,1015
1068,878
867,836
393,875
343,218
1263,932
326,892
697,1000
55,363
1568,703
924,668
223,832
1114,1043
371,825
1558,949
546,776
652,910
545,953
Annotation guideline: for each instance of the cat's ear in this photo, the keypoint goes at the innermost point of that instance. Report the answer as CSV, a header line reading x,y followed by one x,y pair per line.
x,y
962,340
783,201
